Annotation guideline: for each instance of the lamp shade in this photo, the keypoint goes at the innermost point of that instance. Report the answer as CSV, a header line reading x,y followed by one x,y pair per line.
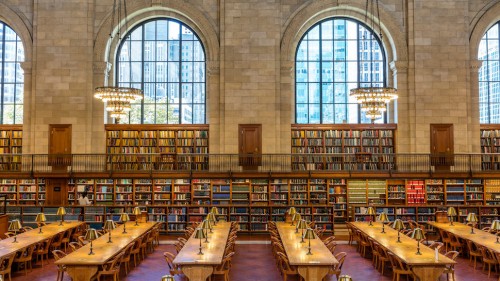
x,y
167,278
214,211
199,234
302,224
109,225
91,234
345,278
15,225
205,224
61,211
40,217
452,212
370,211
296,217
309,234
292,211
471,217
398,224
495,225
383,217
136,211
124,217
418,234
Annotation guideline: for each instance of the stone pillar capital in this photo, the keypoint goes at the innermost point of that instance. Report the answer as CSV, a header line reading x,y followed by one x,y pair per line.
x,y
27,66
475,65
213,67
102,67
398,66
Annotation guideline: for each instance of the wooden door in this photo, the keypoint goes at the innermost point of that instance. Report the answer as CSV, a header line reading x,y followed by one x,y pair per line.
x,y
250,145
442,151
56,192
59,146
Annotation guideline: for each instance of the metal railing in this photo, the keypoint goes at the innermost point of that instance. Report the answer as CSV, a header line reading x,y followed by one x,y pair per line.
x,y
360,162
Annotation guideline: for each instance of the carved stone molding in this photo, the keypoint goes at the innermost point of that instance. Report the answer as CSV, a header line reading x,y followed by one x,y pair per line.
x,y
398,66
287,67
213,67
27,67
475,65
102,68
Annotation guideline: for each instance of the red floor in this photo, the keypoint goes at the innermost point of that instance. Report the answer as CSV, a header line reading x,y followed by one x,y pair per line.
x,y
255,263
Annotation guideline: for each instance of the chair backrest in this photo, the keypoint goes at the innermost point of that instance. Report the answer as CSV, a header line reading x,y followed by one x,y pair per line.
x,y
396,262
284,263
436,245
114,263
6,262
226,262
169,258
46,244
340,258
58,254
74,245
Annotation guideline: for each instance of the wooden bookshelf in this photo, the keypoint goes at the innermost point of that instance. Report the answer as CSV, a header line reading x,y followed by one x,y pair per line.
x,y
167,147
365,141
11,142
490,143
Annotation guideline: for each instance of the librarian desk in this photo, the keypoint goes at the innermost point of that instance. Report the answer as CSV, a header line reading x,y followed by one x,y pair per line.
x,y
200,267
424,266
34,236
311,267
461,230
81,266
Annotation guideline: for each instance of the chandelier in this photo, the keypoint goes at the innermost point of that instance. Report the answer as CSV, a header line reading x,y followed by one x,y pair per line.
x,y
373,100
118,99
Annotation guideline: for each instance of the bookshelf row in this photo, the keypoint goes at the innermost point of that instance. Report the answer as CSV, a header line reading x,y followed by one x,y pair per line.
x,y
11,142
363,142
422,214
177,218
166,140
490,143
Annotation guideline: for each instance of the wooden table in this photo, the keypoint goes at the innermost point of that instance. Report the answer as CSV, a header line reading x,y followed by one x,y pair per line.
x,y
200,267
461,230
81,266
34,236
311,267
424,266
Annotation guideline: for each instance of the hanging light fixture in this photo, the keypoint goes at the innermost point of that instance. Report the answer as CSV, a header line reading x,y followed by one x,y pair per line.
x,y
118,99
372,99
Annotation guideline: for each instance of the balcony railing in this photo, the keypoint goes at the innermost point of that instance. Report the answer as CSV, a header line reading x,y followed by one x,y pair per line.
x,y
360,162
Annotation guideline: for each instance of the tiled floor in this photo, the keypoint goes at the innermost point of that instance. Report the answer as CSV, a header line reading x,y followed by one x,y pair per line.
x,y
254,262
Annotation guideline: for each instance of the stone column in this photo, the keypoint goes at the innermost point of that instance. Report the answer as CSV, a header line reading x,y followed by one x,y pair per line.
x,y
404,107
100,73
213,105
28,117
473,107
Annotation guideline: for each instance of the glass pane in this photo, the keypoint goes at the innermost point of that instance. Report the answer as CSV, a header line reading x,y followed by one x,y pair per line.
x,y
8,93
19,114
161,32
340,93
187,114
161,50
492,32
136,75
302,93
149,50
10,51
313,71
314,114
187,51
173,50
187,34
124,54
352,113
9,72
149,113
10,35
135,114
198,53
161,113
136,51
173,72
173,30
314,93
161,72
150,30
187,72
352,50
327,72
124,72
301,72
302,114
314,51
340,113
173,113
199,93
8,114
19,94
340,50
187,93
149,92
199,114
328,114
327,93
149,72
161,92
493,49
173,93
352,71
327,30
302,51
327,50
351,30
199,72
136,34
313,34
340,72
340,29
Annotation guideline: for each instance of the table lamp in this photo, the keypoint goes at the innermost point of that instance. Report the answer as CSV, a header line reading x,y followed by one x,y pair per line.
x,y
91,235
213,218
15,226
370,212
292,212
418,235
167,278
398,225
309,235
295,218
345,278
61,212
108,226
451,213
210,220
137,213
124,218
383,218
205,225
495,225
302,224
215,213
472,219
40,219
199,234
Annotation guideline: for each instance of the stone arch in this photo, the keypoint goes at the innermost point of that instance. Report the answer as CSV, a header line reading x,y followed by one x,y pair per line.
x,y
21,25
485,21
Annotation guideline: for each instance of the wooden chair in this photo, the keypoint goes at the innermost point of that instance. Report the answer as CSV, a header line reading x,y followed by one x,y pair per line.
x,y
398,267
450,269
66,238
331,246
455,243
351,234
58,254
82,241
328,239
224,267
445,238
126,257
363,244
144,244
56,241
136,250
42,249
74,246
173,268
6,266
24,257
488,259
474,252
436,245
111,268
383,258
319,232
337,269
285,267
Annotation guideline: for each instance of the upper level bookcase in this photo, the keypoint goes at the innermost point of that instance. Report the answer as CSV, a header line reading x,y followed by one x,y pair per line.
x,y
363,140
490,143
170,141
11,142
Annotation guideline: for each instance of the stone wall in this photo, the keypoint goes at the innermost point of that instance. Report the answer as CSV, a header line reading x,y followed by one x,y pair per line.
x,y
250,44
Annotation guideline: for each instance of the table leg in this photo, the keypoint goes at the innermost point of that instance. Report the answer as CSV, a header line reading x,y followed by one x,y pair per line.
x,y
197,273
81,272
428,273
313,273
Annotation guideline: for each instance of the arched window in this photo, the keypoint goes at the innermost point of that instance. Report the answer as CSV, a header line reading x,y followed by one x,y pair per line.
x,y
165,58
489,76
334,56
11,76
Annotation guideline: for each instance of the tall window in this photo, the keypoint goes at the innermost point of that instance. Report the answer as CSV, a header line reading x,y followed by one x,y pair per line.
x,y
11,76
165,58
489,77
333,57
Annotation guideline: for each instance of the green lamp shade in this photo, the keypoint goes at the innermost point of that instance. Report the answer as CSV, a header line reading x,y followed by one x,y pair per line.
x,y
370,211
309,234
452,212
398,224
292,211
136,211
383,217
495,225
91,234
40,217
124,217
15,225
109,225
471,217
302,224
199,234
418,234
